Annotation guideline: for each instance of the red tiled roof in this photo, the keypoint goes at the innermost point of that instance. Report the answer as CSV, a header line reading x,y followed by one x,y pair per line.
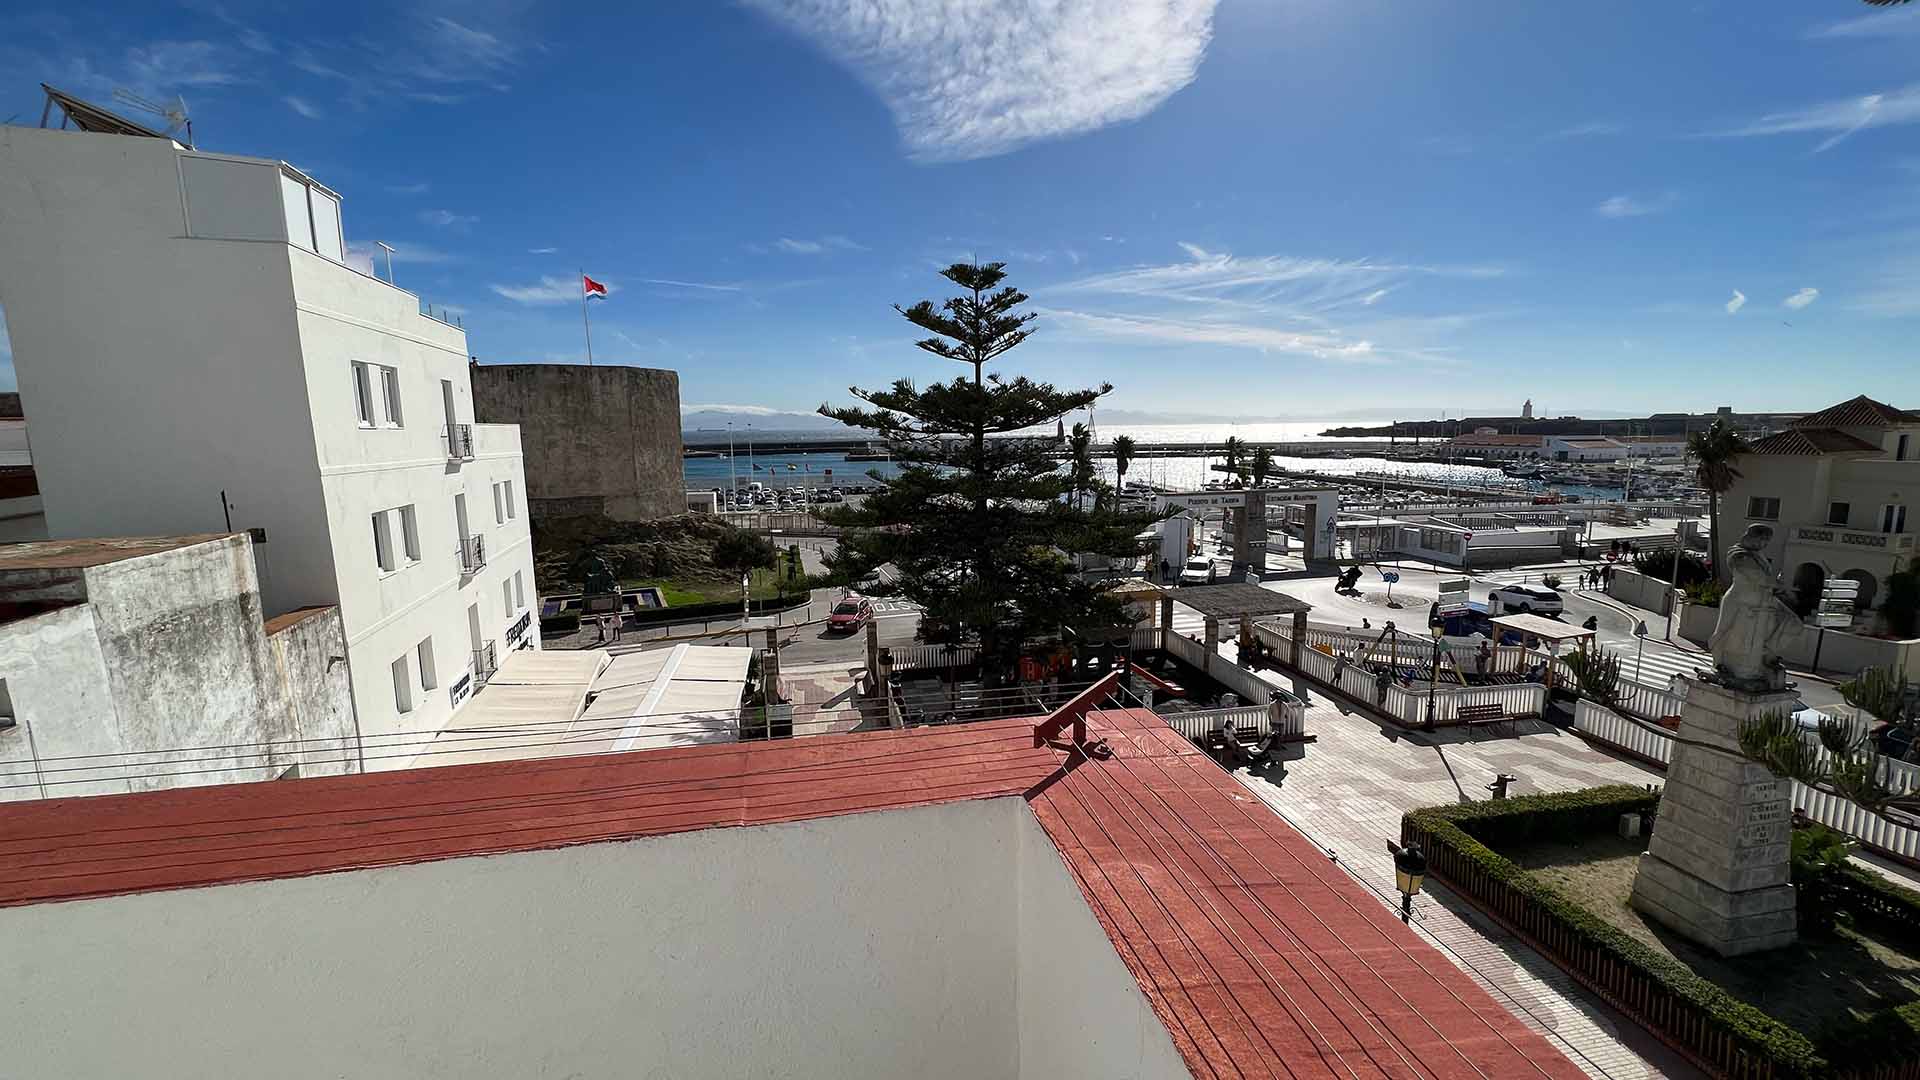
x,y
1257,952
1805,442
1861,411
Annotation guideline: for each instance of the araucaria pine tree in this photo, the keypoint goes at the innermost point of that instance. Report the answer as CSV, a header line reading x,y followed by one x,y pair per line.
x,y
976,526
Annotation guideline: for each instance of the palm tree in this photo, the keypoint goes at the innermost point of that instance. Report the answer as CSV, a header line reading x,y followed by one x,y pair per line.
x,y
1262,465
1714,452
1231,448
1122,457
1080,474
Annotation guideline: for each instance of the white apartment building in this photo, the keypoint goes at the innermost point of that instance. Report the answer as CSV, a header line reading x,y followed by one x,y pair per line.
x,y
1835,488
197,356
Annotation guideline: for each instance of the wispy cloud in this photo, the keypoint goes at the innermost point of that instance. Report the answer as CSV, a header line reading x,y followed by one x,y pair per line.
x,y
445,218
542,251
1264,338
169,66
426,58
791,246
1898,21
402,253
548,290
1587,130
1234,280
1840,118
1374,297
1626,206
967,80
705,286
1801,299
410,189
301,106
1739,301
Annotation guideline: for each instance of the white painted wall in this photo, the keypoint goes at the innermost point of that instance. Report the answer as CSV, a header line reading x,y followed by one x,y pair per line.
x,y
58,682
171,344
872,945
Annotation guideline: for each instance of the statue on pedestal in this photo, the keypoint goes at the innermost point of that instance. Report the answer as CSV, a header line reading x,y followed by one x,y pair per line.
x,y
1756,617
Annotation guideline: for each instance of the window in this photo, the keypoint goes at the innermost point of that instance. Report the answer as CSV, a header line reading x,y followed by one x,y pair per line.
x,y
326,224
1900,447
499,507
293,202
1837,513
1768,509
410,533
519,593
362,394
402,685
390,394
383,541
1893,518
506,595
507,487
423,652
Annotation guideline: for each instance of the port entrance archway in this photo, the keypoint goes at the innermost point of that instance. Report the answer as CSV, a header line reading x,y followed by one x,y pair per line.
x,y
1248,521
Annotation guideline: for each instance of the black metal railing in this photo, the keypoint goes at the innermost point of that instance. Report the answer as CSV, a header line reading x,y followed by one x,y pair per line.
x,y
486,661
473,554
459,440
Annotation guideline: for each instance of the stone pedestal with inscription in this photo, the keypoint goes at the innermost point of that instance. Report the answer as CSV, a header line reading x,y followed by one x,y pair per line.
x,y
1717,868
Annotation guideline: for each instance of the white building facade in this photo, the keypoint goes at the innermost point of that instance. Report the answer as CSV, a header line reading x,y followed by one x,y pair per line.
x,y
197,356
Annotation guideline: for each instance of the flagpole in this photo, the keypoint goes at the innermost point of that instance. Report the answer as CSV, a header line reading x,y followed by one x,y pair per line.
x,y
584,323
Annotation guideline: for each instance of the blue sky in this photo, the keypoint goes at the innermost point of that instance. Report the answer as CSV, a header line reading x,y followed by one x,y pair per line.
x,y
1259,207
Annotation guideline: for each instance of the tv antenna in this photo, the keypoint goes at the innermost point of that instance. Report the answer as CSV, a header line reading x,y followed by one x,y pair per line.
x,y
178,122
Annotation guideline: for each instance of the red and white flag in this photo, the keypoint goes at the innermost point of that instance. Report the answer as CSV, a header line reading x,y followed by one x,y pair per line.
x,y
592,289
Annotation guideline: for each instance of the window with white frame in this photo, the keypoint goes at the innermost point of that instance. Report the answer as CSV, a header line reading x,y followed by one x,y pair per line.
x,y
429,673
363,393
402,685
519,593
390,395
383,542
499,507
410,533
506,486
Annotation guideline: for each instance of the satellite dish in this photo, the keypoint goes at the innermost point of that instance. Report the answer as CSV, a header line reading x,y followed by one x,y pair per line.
x,y
175,114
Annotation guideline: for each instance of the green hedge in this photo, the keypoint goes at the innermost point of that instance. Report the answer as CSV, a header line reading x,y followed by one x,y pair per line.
x,y
1885,1038
1467,829
1879,906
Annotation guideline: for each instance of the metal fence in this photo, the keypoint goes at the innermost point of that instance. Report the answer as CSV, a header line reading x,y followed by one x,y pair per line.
x,y
932,657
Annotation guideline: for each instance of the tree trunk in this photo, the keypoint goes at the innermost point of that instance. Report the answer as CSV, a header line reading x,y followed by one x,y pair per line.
x,y
1713,538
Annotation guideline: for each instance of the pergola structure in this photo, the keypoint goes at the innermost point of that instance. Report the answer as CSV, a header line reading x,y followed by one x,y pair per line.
x,y
1235,600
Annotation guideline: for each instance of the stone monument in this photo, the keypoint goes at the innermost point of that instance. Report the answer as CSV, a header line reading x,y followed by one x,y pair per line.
x,y
1717,868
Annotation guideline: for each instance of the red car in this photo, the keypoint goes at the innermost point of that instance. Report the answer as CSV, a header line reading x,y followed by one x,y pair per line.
x,y
850,614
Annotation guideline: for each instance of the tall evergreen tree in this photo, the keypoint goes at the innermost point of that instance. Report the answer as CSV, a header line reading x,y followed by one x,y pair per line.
x,y
976,525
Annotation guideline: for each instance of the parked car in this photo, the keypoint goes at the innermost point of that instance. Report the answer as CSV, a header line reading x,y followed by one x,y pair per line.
x,y
850,614
1526,599
1198,571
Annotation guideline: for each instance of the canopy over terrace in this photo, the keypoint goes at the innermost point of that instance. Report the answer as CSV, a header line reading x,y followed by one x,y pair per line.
x,y
1236,599
1542,627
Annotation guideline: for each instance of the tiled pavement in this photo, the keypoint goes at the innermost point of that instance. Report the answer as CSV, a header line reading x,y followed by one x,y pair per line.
x,y
1347,792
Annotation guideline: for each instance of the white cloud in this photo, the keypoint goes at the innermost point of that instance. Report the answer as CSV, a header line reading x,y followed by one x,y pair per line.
x,y
799,247
1323,346
1902,20
1245,281
548,290
750,410
809,247
542,251
1801,299
1739,301
167,66
402,253
1373,297
445,218
968,80
1625,206
1587,130
703,285
1840,118
301,106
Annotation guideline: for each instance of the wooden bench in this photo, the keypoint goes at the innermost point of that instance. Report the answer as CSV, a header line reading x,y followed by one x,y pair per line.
x,y
1471,715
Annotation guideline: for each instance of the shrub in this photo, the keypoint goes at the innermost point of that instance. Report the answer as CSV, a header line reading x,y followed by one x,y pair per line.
x,y
1705,593
1597,673
1467,829
1819,855
1885,1038
1659,564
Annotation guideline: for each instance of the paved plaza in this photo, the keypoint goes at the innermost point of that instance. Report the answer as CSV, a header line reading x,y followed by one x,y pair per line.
x,y
1347,792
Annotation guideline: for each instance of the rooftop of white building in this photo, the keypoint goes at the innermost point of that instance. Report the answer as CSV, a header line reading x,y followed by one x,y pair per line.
x,y
954,901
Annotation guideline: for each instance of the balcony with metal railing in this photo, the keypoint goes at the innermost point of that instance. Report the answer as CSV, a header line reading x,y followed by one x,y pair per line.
x,y
459,440
486,661
1861,540
473,554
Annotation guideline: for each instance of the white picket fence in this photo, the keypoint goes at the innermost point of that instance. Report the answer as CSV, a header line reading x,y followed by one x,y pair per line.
x,y
1604,725
1408,704
937,657
1195,725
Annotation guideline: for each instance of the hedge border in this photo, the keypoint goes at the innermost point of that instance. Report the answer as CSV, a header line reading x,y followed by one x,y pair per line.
x,y
1446,831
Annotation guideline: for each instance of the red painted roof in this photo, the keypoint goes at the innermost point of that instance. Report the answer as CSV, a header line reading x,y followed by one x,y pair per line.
x,y
1258,953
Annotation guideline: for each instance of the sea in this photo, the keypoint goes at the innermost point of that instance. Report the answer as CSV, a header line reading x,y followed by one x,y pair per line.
x,y
830,468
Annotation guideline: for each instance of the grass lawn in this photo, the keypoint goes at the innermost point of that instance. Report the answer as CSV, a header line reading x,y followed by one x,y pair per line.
x,y
1807,985
680,593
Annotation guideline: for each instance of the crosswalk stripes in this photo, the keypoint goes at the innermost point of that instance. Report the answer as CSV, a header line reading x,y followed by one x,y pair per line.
x,y
1657,666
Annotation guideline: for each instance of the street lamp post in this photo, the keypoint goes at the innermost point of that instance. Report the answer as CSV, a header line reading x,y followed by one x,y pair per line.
x,y
1436,628
1639,647
1409,870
